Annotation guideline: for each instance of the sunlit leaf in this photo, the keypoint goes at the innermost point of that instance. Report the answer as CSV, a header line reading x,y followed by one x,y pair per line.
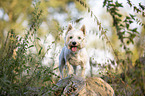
x,y
31,46
40,51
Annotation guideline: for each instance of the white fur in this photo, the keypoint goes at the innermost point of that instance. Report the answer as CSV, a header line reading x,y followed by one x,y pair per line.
x,y
74,58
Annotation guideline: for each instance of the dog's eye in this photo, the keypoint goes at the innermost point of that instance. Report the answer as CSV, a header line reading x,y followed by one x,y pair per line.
x,y
79,37
70,37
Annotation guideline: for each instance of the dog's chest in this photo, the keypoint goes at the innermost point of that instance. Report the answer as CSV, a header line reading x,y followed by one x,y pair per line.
x,y
74,59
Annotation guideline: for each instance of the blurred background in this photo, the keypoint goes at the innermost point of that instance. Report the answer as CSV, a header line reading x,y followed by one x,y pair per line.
x,y
32,36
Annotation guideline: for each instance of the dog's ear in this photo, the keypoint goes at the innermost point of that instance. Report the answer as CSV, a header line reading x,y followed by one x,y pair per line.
x,y
83,28
69,27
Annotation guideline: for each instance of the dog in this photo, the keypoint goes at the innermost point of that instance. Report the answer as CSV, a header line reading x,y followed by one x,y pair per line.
x,y
74,52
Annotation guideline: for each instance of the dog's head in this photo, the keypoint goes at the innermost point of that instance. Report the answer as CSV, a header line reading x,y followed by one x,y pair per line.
x,y
74,38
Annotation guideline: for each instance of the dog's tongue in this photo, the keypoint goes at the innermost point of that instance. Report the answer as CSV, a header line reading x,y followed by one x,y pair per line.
x,y
74,49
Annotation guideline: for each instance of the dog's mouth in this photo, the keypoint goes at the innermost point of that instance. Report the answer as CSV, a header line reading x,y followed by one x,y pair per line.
x,y
74,48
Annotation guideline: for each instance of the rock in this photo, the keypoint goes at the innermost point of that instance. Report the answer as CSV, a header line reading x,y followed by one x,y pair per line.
x,y
74,85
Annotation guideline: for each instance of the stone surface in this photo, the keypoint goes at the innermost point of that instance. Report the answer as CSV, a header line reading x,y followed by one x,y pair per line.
x,y
74,85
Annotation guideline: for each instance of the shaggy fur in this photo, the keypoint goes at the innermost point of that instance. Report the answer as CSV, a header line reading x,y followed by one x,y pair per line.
x,y
74,52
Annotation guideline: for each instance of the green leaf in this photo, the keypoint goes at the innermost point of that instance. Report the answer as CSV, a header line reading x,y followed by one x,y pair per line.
x,y
134,30
118,4
91,13
47,78
89,10
133,36
125,20
20,39
31,46
40,51
129,32
127,26
118,20
121,25
142,6
111,5
55,68
131,40
78,20
130,21
127,17
100,27
120,45
119,15
122,33
128,42
132,16
129,3
27,71
26,44
104,3
38,38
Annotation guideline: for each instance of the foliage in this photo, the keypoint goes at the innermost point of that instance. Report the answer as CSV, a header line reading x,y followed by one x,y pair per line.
x,y
21,72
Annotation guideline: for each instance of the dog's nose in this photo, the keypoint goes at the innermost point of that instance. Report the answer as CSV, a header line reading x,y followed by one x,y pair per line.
x,y
74,43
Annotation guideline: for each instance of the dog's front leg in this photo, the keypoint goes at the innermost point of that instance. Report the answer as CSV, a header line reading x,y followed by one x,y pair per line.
x,y
83,70
61,65
68,68
75,68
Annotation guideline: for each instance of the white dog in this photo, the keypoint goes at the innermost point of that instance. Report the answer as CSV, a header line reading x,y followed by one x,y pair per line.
x,y
74,52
